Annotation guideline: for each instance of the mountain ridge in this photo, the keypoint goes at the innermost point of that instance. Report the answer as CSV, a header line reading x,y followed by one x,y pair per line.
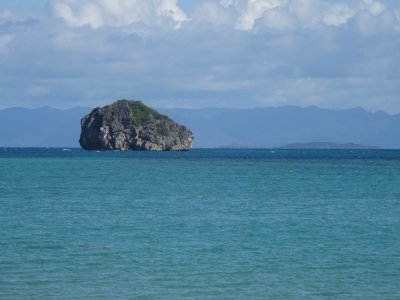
x,y
266,127
274,126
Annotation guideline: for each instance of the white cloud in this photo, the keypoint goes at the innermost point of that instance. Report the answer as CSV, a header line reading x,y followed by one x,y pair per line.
x,y
170,9
374,7
277,19
140,16
251,15
211,12
227,53
367,24
255,9
119,13
338,15
88,14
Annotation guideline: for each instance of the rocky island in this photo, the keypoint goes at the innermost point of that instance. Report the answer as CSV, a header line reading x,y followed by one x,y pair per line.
x,y
131,125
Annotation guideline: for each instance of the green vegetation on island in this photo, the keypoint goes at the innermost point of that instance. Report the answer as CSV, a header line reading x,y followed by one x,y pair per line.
x,y
142,114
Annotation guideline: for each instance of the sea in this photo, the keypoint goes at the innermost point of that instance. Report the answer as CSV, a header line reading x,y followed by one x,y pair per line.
x,y
203,224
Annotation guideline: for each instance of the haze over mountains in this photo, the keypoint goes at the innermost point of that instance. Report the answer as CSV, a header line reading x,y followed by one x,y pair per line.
x,y
273,127
215,127
42,127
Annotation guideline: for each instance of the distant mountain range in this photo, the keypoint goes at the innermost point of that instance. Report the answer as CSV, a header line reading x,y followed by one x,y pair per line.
x,y
41,127
214,127
273,127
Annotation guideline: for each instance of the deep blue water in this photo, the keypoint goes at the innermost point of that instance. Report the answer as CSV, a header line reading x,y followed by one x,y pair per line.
x,y
203,224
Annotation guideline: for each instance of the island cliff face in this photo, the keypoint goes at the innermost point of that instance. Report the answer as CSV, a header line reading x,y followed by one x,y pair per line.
x,y
131,125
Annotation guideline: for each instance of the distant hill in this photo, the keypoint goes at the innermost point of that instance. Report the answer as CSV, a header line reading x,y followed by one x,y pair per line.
x,y
272,127
213,127
325,145
41,127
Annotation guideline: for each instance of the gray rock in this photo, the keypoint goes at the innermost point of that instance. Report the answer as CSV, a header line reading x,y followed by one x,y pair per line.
x,y
131,125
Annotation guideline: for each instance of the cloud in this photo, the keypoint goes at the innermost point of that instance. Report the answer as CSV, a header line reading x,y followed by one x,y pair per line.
x,y
374,7
89,14
5,40
253,15
150,16
339,15
120,13
254,9
211,12
226,3
233,53
7,16
307,13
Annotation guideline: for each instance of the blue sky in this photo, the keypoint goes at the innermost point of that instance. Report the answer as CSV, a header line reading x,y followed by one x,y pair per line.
x,y
205,53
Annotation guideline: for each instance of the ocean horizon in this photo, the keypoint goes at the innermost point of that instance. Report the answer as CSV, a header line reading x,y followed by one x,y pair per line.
x,y
199,224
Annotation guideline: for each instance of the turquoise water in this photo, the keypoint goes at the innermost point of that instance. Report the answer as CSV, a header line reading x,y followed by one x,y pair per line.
x,y
204,224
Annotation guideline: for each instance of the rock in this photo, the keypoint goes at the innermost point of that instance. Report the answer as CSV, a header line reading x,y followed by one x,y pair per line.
x,y
131,125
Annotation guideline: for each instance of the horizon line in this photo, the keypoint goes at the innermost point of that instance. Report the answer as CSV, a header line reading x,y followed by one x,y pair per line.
x,y
217,107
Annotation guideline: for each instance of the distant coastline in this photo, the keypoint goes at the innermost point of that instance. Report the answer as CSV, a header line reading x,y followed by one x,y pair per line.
x,y
307,146
328,146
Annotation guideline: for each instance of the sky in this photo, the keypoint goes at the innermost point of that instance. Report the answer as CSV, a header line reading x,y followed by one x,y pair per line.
x,y
205,53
